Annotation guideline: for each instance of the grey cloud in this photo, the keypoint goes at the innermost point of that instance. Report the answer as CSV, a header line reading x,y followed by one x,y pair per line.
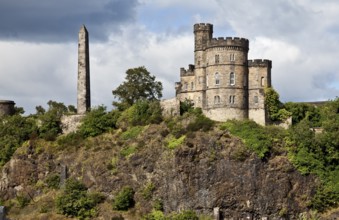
x,y
59,21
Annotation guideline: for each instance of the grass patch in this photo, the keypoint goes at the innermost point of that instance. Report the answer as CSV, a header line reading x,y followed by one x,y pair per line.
x,y
131,133
173,142
128,150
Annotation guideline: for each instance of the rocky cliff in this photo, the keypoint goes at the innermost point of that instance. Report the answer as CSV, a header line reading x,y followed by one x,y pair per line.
x,y
207,170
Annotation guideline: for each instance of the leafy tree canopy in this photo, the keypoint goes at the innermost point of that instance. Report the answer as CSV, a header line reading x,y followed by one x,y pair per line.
x,y
139,84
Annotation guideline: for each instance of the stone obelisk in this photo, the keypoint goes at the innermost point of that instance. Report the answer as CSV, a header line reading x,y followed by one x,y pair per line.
x,y
84,91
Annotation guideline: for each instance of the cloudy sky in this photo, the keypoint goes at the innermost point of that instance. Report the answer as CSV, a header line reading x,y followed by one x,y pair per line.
x,y
38,44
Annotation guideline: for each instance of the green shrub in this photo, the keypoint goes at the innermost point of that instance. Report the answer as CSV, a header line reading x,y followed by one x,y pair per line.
x,y
53,181
131,133
155,215
186,106
201,122
73,139
76,202
173,142
185,215
128,150
14,130
23,201
254,136
143,112
50,121
147,191
158,205
98,121
124,199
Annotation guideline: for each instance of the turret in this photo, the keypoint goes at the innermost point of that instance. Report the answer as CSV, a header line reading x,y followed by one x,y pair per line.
x,y
202,35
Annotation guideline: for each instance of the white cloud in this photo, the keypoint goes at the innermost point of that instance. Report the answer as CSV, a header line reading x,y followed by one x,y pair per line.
x,y
300,37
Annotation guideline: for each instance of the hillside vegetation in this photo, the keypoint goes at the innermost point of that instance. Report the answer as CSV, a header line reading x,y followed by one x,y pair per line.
x,y
134,163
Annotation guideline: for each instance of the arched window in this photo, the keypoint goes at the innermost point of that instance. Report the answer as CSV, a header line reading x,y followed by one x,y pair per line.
x,y
232,79
262,81
256,99
216,99
217,80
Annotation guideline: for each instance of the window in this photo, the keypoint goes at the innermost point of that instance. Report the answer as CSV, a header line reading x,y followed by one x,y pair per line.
x,y
232,57
192,85
217,58
200,79
256,99
207,80
232,79
185,86
199,99
262,81
217,80
216,99
232,99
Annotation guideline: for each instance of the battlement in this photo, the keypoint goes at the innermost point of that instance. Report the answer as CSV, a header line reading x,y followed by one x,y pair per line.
x,y
229,41
203,27
260,63
188,72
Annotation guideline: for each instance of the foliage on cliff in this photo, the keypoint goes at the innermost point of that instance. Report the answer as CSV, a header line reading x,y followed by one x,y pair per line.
x,y
129,145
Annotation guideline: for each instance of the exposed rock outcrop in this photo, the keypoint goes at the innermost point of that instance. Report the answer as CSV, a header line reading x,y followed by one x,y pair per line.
x,y
211,169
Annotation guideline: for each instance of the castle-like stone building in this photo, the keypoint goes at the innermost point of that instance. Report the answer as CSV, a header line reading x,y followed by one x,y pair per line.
x,y
222,81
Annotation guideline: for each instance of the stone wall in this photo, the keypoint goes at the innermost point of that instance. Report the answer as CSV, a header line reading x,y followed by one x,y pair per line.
x,y
70,123
224,114
170,107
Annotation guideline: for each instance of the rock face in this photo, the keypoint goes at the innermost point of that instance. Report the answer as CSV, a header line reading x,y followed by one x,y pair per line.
x,y
211,169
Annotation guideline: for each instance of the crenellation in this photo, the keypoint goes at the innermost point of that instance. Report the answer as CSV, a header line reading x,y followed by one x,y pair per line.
x,y
231,43
203,27
188,72
260,63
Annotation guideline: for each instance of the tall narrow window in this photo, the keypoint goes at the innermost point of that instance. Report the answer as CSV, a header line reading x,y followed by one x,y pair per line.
x,y
207,80
217,58
192,85
262,81
185,86
216,99
256,99
217,80
231,99
232,57
232,79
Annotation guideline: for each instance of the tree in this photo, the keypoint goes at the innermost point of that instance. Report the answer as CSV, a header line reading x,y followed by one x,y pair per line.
x,y
139,84
275,108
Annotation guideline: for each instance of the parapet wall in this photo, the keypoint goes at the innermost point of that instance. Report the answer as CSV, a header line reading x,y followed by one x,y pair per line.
x,y
203,27
188,72
229,42
260,63
7,107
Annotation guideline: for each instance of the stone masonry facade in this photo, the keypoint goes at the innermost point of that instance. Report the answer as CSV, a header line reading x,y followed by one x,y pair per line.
x,y
222,81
